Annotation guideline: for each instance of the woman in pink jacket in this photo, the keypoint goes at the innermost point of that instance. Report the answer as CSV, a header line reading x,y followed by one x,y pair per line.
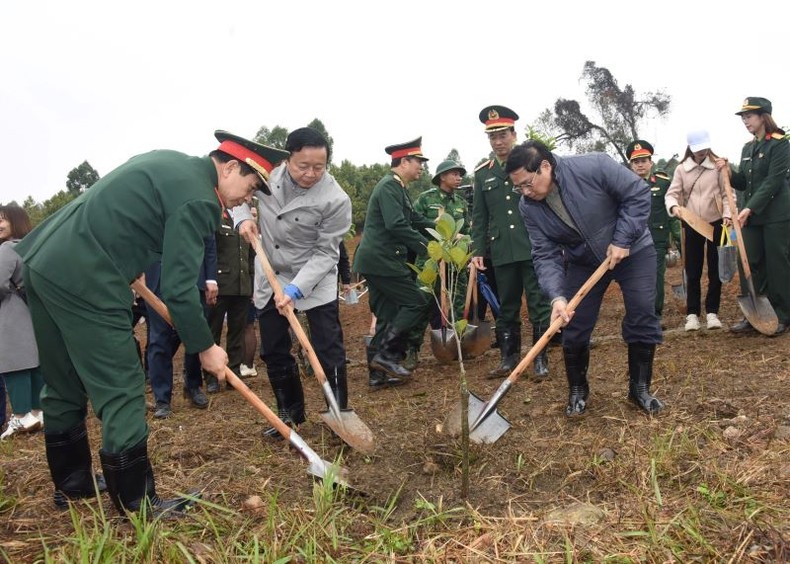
x,y
696,186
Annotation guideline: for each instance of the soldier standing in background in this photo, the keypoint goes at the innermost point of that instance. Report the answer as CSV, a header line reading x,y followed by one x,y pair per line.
x,y
392,230
235,268
496,222
640,157
433,202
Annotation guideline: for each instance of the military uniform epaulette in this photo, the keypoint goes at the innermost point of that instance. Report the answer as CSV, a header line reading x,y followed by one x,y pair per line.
x,y
774,135
484,164
662,174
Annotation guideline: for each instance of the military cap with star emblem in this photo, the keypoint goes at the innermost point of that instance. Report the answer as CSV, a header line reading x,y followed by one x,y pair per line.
x,y
755,104
446,166
497,118
261,158
638,149
408,149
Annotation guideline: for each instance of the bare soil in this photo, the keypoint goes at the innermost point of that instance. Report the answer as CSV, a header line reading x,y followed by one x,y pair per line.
x,y
711,381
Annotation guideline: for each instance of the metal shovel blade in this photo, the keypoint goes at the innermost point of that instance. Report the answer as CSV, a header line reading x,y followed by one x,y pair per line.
x,y
476,339
488,430
759,312
443,345
351,429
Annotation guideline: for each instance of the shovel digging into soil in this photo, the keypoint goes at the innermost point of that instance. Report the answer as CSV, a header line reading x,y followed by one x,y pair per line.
x,y
486,425
316,465
477,337
443,342
345,423
757,309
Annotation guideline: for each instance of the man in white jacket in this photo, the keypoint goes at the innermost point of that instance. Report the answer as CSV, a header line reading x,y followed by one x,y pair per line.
x,y
301,226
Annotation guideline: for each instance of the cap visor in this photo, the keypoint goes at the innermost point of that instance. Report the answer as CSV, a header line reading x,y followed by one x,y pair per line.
x,y
700,147
264,184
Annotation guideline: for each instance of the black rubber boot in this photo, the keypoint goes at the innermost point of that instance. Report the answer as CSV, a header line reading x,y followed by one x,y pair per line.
x,y
338,381
577,361
541,362
130,482
640,370
392,350
510,348
69,460
288,392
377,379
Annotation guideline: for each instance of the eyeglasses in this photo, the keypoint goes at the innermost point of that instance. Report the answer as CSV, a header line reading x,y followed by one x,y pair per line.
x,y
518,188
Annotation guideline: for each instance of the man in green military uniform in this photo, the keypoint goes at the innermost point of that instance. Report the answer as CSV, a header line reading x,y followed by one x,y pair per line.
x,y
662,225
431,204
392,230
496,221
158,206
235,269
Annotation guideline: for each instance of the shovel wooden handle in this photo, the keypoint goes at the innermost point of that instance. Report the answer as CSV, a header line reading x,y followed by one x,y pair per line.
x,y
725,177
159,307
557,324
289,312
470,288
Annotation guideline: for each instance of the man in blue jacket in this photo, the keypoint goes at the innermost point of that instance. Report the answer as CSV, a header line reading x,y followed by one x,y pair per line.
x,y
578,211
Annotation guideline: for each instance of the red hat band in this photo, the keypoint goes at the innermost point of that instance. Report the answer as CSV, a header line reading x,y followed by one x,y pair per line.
x,y
244,154
500,122
410,152
639,153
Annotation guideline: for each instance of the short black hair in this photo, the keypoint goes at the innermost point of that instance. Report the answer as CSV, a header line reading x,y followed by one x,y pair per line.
x,y
528,155
303,137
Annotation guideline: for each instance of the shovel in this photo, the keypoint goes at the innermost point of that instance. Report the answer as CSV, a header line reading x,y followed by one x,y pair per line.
x,y
486,425
443,343
757,309
316,465
477,337
346,424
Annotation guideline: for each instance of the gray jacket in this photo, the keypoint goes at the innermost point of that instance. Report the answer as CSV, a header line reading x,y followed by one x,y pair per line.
x,y
18,350
607,202
301,238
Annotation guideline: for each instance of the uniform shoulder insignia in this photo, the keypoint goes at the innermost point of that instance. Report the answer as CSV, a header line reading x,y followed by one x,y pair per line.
x,y
483,165
662,174
776,135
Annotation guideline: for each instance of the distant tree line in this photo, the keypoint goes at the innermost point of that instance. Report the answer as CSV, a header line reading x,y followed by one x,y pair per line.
x,y
615,117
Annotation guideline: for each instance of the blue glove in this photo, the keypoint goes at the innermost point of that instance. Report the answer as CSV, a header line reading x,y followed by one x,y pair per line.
x,y
293,292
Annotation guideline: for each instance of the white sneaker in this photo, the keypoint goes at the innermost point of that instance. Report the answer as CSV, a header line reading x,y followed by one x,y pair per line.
x,y
26,424
692,322
713,321
38,414
247,371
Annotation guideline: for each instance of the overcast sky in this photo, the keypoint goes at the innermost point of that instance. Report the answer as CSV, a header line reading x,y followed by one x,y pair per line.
x,y
102,81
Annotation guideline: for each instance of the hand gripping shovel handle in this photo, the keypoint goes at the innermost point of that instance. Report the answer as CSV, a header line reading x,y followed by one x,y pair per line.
x,y
470,289
539,346
318,467
298,330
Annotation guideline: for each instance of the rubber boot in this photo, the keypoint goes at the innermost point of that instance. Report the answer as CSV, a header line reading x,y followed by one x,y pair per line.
x,y
510,348
288,392
378,379
130,483
338,381
69,460
640,371
411,359
392,349
577,361
541,362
